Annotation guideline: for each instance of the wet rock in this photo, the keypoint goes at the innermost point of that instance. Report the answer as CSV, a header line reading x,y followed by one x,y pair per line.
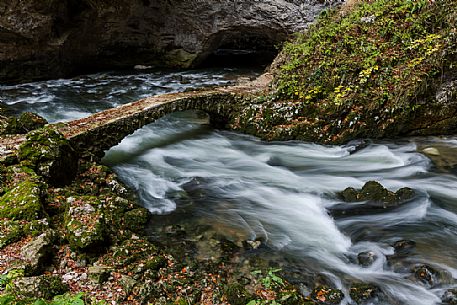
x,y
38,253
25,123
426,274
350,194
237,294
361,293
404,247
450,297
50,155
431,276
99,274
44,286
136,219
377,198
326,295
374,191
367,258
84,223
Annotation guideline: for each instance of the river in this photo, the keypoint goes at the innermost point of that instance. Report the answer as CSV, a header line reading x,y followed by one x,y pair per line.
x,y
278,193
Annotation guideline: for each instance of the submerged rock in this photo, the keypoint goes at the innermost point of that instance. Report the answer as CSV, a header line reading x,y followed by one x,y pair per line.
x,y
375,196
404,247
367,258
361,293
450,297
430,276
326,295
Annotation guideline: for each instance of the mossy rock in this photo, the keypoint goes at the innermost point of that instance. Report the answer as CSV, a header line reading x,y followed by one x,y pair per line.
x,y
25,123
327,295
237,294
23,201
136,219
51,156
84,223
43,286
361,292
130,251
155,263
374,192
10,232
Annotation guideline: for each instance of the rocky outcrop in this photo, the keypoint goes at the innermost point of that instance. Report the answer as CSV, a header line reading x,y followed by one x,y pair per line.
x,y
49,39
339,80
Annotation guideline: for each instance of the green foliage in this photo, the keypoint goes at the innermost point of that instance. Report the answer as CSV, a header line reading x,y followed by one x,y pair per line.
x,y
270,280
379,47
65,299
367,70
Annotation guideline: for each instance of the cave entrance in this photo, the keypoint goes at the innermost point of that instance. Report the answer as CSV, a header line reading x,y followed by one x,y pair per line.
x,y
242,48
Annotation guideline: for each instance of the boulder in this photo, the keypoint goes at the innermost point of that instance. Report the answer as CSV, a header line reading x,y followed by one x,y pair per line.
x,y
51,156
327,295
43,286
84,223
373,191
23,200
367,258
38,252
361,292
99,274
26,122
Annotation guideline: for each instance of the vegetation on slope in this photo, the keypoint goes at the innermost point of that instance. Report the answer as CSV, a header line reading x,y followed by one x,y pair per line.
x,y
358,71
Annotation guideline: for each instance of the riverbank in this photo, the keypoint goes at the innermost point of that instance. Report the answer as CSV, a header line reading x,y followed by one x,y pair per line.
x,y
375,69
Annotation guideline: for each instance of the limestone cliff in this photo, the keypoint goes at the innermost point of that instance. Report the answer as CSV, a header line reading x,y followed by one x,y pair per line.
x,y
55,38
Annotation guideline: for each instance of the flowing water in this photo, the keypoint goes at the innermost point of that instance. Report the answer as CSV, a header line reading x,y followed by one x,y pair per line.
x,y
279,193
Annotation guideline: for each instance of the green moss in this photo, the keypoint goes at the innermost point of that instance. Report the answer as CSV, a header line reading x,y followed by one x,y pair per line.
x,y
22,201
50,155
362,292
237,294
136,219
26,122
10,232
131,251
360,72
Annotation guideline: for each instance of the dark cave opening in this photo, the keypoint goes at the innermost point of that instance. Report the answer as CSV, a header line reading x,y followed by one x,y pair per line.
x,y
242,48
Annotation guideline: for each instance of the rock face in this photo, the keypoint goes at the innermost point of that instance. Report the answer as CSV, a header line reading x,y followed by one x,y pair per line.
x,y
48,39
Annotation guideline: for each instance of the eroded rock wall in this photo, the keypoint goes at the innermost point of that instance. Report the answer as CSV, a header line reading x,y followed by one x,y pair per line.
x,y
54,38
